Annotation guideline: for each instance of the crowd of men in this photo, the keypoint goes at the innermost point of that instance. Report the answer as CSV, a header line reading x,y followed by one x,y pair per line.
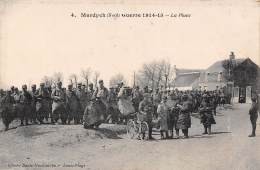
x,y
172,108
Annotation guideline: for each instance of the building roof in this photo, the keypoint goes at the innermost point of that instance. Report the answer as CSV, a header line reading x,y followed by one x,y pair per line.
x,y
182,70
185,80
191,77
217,66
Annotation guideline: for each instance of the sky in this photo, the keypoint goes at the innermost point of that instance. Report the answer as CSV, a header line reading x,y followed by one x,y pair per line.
x,y
38,38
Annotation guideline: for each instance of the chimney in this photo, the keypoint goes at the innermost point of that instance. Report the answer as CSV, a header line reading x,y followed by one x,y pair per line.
x,y
232,55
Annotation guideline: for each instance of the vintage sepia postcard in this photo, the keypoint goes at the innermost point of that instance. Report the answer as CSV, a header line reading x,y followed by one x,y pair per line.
x,y
130,85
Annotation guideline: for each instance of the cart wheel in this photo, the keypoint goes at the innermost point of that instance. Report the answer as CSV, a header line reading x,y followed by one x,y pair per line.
x,y
131,129
145,129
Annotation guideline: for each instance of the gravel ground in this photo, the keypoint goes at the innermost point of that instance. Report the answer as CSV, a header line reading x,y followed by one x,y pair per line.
x,y
72,147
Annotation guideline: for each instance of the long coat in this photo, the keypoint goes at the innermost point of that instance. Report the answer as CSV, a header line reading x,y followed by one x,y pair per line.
x,y
42,103
147,108
253,111
58,105
73,103
125,104
172,114
184,120
94,113
206,115
7,111
163,116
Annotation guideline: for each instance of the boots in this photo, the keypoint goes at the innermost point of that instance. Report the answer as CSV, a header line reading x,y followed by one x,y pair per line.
x,y
185,132
162,136
253,132
171,134
205,130
209,130
150,133
177,133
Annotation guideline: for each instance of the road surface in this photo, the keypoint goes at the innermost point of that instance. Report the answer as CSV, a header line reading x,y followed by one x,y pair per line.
x,y
72,147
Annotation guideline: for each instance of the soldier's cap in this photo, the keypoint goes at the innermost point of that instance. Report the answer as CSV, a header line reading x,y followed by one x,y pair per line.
x,y
90,84
42,84
70,85
59,82
79,84
12,87
24,86
100,81
34,85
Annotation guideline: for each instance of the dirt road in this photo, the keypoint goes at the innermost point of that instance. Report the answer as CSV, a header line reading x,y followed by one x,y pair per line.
x,y
72,147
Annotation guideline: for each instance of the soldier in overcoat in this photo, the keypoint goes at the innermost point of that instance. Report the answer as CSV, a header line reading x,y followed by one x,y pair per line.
x,y
184,119
58,106
26,101
73,106
146,109
253,112
163,117
206,114
83,99
42,103
33,104
7,109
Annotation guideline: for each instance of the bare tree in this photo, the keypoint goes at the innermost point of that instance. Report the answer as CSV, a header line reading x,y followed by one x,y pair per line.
x,y
115,80
95,78
73,78
57,77
85,74
48,81
155,74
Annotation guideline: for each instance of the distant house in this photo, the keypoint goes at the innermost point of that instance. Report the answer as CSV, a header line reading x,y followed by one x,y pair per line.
x,y
213,77
186,79
245,79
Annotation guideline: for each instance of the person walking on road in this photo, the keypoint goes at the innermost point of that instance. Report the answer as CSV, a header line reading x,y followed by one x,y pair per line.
x,y
253,112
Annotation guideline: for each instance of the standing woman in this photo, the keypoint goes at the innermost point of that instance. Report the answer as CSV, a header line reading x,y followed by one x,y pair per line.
x,y
163,116
206,114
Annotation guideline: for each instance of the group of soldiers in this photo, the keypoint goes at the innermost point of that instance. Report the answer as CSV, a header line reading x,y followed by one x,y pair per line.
x,y
171,108
36,106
